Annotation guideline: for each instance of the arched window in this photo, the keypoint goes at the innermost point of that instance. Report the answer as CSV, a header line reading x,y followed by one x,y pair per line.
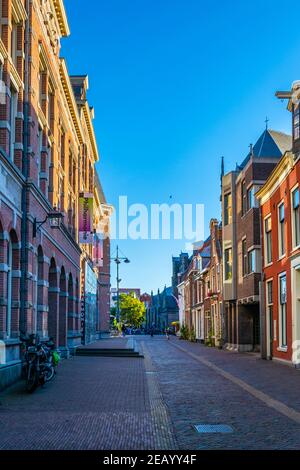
x,y
9,288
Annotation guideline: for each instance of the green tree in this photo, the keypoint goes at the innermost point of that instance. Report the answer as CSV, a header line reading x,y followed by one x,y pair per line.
x,y
132,310
113,316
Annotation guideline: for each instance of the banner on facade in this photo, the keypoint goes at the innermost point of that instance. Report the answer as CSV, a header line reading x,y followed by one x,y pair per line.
x,y
98,250
86,234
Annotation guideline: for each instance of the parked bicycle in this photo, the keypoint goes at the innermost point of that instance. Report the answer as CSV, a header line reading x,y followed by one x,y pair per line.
x,y
41,361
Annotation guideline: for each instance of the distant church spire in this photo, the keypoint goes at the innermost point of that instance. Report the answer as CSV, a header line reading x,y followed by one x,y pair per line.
x,y
251,150
222,168
267,123
221,176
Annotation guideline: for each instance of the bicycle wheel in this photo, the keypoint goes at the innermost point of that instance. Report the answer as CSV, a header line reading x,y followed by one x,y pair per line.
x,y
48,373
32,378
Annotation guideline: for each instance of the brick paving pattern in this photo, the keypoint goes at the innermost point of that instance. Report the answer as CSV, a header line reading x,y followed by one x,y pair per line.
x,y
153,403
93,403
196,394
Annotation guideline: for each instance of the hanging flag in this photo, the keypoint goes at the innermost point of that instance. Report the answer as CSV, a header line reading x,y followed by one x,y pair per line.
x,y
98,250
86,233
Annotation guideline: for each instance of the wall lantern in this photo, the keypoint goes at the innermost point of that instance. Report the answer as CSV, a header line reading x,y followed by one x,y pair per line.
x,y
55,219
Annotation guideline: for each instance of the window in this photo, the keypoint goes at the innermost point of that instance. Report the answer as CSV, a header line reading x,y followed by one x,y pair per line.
x,y
14,42
296,121
281,236
243,198
244,255
62,148
13,115
252,261
251,198
282,310
228,209
269,292
268,240
1,16
41,78
50,105
60,193
228,264
40,149
270,308
296,217
212,282
218,277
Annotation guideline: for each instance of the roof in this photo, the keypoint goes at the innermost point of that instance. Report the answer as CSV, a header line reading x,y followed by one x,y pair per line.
x,y
271,144
278,175
61,17
99,188
165,299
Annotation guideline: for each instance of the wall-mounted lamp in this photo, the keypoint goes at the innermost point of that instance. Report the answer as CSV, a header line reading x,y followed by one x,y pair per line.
x,y
55,219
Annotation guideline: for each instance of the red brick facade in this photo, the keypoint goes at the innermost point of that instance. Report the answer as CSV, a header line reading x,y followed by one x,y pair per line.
x,y
281,340
48,153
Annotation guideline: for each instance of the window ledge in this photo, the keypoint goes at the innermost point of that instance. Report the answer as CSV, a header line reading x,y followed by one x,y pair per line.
x,y
282,257
282,349
268,265
295,248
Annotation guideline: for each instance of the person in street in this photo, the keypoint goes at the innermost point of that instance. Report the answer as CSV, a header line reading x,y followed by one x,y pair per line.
x,y
167,331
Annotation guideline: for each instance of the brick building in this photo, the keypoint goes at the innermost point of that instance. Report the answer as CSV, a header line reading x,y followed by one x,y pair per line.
x,y
242,242
200,289
280,213
47,156
200,304
215,284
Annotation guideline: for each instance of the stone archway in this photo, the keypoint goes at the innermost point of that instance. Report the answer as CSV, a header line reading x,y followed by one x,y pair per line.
x,y
13,285
2,283
53,292
71,311
42,314
63,310
77,309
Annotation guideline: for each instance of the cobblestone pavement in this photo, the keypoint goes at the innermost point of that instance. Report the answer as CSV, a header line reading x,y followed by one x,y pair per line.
x,y
199,393
154,403
93,403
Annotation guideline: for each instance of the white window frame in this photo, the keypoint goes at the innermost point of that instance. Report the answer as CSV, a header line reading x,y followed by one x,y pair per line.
x,y
294,245
228,209
227,248
14,41
266,262
252,252
281,241
282,347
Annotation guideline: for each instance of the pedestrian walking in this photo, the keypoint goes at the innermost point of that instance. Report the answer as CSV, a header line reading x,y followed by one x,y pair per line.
x,y
167,331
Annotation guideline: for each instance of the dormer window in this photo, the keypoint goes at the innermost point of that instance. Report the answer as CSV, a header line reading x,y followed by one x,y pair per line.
x,y
296,121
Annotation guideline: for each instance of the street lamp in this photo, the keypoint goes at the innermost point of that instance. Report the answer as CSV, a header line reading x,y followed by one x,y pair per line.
x,y
54,218
118,260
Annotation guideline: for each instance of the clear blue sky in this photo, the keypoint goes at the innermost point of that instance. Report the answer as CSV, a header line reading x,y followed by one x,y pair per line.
x,y
176,84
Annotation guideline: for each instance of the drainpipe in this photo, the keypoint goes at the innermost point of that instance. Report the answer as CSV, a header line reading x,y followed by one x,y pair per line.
x,y
24,228
262,309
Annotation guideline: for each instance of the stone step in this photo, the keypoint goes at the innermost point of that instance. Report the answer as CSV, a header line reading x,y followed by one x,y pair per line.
x,y
108,352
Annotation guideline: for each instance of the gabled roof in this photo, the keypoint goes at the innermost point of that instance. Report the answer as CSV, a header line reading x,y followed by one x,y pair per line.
x,y
271,144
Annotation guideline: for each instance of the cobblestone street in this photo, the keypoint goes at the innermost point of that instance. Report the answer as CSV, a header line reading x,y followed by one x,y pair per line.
x,y
154,403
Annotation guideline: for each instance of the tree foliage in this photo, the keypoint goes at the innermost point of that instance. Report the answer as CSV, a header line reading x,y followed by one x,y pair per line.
x,y
132,310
